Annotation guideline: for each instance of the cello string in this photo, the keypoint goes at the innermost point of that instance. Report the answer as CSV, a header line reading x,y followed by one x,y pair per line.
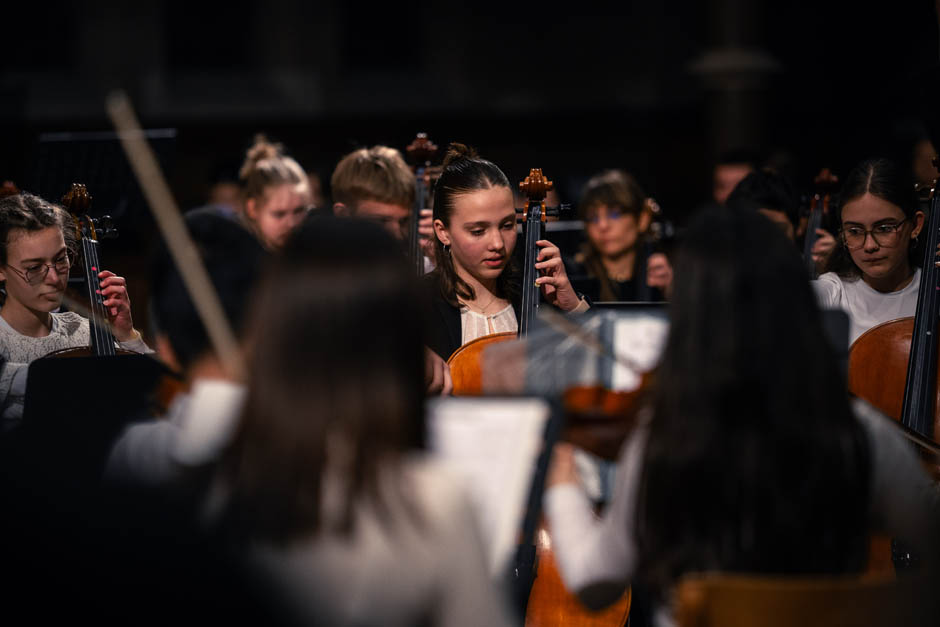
x,y
93,318
79,308
105,347
103,329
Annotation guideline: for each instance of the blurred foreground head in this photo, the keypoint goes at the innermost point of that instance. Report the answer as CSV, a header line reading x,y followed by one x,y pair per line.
x,y
755,462
336,376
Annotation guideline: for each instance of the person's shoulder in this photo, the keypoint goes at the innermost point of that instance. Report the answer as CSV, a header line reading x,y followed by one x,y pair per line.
x,y
69,322
443,493
829,288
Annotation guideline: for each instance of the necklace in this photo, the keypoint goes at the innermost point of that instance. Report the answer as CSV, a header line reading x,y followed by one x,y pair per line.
x,y
483,309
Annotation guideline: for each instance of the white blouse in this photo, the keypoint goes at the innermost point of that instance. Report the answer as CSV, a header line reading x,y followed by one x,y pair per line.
x,y
474,325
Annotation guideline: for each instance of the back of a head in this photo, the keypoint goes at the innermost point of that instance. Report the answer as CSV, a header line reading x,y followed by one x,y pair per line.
x,y
233,257
378,174
763,189
755,462
336,348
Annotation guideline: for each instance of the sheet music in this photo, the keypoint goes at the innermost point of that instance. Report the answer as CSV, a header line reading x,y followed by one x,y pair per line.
x,y
492,444
641,338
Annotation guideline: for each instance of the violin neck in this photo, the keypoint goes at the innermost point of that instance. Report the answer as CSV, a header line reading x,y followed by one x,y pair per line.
x,y
919,392
102,342
530,291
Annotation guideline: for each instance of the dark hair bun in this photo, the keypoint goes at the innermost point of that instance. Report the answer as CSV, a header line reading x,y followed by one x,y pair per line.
x,y
456,152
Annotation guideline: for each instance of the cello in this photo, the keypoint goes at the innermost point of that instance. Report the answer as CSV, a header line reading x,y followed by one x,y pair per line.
x,y
819,210
420,152
466,362
893,366
88,230
549,602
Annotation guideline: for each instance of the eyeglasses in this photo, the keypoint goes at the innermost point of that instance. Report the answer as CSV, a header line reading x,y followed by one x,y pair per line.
x,y
885,235
37,273
613,213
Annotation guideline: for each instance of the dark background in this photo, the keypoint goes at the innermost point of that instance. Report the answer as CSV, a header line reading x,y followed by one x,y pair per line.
x,y
659,88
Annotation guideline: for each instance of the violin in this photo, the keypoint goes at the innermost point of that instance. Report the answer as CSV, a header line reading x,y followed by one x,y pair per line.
x,y
420,152
466,362
825,183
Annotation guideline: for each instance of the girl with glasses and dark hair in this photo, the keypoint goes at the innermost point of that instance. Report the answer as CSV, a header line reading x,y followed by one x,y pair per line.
x,y
748,456
873,273
474,288
35,257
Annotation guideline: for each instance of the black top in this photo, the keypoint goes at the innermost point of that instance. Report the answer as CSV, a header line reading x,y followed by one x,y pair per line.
x,y
443,333
588,283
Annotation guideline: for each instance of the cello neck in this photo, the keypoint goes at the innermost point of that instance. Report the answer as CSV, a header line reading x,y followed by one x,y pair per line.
x,y
535,187
414,237
102,342
530,291
420,152
917,411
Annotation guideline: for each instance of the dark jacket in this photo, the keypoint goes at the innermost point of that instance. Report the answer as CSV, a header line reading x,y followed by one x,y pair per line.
x,y
443,333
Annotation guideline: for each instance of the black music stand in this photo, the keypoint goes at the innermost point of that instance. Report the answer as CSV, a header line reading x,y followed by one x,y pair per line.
x,y
74,409
98,160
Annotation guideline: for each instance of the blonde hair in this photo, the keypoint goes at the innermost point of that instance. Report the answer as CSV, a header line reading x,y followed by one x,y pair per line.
x,y
267,166
378,173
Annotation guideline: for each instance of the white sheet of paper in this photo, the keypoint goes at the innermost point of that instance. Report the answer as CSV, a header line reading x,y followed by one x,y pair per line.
x,y
492,444
641,338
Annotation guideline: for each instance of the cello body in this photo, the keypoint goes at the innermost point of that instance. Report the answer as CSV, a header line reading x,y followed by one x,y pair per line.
x,y
466,363
878,367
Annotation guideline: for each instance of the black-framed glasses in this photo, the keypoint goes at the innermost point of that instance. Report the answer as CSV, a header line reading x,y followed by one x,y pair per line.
x,y
37,273
885,235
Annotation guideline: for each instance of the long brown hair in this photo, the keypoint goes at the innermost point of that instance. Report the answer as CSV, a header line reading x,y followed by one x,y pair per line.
x,y
610,188
464,172
336,375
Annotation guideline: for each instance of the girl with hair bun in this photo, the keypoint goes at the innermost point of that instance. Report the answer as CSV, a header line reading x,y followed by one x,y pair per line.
x,y
474,288
275,192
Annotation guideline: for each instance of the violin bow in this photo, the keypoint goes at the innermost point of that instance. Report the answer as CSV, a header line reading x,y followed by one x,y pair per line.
x,y
171,225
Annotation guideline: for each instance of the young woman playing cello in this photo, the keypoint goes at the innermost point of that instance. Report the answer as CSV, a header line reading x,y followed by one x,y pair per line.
x,y
749,456
873,273
473,289
35,258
